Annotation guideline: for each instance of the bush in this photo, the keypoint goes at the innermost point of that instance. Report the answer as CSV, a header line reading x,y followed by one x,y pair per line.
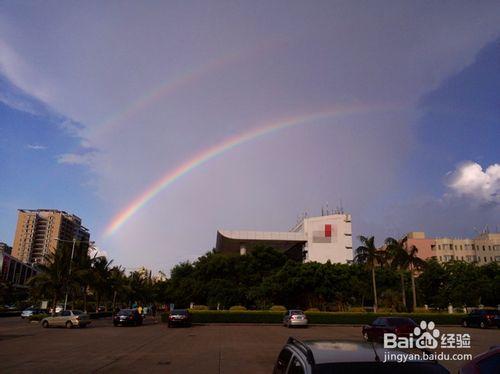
x,y
214,316
237,308
314,310
200,307
38,317
357,309
278,308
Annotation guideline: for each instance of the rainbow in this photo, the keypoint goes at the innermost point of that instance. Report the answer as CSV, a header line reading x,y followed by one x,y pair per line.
x,y
207,154
184,80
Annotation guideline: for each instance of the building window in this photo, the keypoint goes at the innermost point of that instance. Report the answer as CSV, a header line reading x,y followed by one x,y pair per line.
x,y
484,248
439,246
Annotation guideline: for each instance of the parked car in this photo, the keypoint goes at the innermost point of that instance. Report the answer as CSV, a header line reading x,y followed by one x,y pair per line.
x,y
179,317
295,317
28,312
127,317
400,326
68,319
482,318
484,363
337,356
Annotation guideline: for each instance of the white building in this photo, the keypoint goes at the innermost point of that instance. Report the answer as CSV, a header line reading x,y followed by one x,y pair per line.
x,y
321,239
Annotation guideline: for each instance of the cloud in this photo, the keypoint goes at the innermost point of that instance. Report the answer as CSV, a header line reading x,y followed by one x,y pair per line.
x,y
469,180
76,159
36,147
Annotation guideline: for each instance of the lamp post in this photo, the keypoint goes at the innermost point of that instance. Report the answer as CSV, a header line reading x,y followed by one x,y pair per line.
x,y
70,262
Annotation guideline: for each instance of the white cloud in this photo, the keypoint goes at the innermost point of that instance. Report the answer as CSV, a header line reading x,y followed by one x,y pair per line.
x,y
36,147
76,159
470,180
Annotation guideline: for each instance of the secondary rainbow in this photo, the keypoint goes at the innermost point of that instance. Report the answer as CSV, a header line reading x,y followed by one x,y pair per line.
x,y
207,154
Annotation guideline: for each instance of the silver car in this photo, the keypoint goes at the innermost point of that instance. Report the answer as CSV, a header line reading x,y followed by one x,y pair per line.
x,y
68,319
295,317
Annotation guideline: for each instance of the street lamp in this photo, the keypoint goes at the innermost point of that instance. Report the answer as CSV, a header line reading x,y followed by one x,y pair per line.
x,y
70,261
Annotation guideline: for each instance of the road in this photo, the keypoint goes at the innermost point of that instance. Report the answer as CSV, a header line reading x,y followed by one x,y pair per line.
x,y
154,348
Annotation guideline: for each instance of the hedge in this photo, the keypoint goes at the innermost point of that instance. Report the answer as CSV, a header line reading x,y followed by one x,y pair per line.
x,y
213,316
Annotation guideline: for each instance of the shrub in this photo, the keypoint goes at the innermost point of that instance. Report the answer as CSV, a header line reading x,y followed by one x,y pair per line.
x,y
278,308
237,308
38,317
314,310
357,309
200,307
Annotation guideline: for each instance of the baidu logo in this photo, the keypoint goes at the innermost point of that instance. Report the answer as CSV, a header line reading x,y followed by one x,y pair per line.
x,y
426,336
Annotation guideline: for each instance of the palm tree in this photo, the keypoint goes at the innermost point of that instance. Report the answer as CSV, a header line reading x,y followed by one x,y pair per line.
x,y
84,275
370,256
415,263
53,277
399,259
118,283
100,274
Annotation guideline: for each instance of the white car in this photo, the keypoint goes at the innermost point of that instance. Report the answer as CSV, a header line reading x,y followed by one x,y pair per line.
x,y
295,317
68,319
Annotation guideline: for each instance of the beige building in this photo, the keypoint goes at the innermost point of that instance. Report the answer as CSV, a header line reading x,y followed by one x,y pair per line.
x,y
40,232
483,249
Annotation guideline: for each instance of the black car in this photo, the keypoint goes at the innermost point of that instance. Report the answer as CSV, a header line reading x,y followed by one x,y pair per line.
x,y
179,317
127,317
482,318
339,356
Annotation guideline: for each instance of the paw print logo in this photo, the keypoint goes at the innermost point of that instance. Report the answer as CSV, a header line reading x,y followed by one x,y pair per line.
x,y
426,335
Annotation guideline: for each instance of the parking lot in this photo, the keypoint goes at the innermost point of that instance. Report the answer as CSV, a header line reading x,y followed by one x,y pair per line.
x,y
215,348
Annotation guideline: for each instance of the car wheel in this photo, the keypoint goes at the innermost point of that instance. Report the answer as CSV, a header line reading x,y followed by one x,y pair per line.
x,y
69,325
482,324
45,324
465,324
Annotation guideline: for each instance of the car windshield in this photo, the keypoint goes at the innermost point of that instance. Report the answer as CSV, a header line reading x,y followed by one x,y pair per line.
x,y
293,312
77,312
179,312
380,368
125,312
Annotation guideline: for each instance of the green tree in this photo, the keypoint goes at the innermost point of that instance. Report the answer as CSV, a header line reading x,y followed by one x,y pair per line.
x,y
399,260
371,257
52,279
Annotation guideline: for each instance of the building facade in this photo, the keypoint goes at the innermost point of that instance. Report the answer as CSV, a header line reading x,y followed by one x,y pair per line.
x,y
321,239
40,232
5,248
14,271
483,249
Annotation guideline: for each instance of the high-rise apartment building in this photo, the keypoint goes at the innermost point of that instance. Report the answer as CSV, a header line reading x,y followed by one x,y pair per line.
x,y
40,232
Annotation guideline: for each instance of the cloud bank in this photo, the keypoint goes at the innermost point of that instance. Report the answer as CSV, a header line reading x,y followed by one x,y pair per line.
x,y
470,180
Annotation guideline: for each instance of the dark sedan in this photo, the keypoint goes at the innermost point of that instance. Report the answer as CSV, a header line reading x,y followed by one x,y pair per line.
x,y
179,317
127,317
397,325
485,363
482,318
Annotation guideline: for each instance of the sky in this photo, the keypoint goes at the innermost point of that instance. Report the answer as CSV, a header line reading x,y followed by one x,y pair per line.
x,y
160,122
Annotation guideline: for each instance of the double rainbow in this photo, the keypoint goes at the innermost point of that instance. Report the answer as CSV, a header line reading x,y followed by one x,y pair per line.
x,y
207,154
